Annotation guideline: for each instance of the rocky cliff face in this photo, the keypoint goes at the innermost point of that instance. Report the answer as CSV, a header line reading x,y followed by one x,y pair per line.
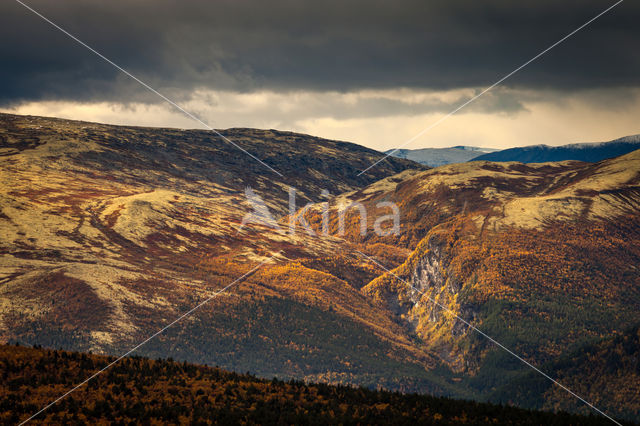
x,y
424,294
526,253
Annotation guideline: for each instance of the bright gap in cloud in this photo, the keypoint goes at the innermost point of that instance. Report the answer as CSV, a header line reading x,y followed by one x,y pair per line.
x,y
384,119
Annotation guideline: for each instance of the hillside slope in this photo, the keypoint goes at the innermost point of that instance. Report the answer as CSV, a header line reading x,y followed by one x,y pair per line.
x,y
109,233
606,372
545,258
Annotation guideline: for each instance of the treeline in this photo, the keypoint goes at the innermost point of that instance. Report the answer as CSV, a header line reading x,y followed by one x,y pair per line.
x,y
144,391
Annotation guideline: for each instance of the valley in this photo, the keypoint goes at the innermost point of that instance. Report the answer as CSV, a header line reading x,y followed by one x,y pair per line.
x,y
109,233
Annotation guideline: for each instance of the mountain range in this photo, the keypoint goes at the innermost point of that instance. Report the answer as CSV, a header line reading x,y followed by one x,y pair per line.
x,y
109,233
587,152
434,157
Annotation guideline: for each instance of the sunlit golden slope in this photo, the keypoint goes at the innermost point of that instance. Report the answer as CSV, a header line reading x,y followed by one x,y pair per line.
x,y
109,232
543,257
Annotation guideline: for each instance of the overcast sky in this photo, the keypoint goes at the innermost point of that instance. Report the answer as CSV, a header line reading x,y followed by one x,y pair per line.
x,y
371,72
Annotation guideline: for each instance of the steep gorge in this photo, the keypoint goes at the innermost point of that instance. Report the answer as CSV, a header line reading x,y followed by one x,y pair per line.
x,y
542,258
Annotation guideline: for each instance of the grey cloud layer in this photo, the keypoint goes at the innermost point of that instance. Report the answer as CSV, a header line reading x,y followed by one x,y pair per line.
x,y
179,46
290,109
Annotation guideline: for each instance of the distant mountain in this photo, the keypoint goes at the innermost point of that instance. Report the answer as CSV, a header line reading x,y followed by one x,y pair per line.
x,y
589,152
434,157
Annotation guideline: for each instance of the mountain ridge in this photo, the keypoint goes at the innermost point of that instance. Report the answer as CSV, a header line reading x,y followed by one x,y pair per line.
x,y
524,252
588,152
143,224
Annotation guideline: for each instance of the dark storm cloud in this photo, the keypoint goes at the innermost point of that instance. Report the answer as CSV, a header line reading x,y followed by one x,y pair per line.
x,y
178,46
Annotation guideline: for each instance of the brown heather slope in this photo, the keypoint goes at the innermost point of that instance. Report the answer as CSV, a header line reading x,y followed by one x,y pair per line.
x,y
108,233
545,258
